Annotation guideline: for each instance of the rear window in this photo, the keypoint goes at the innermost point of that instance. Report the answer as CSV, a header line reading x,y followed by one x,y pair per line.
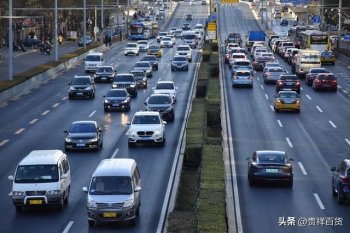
x,y
242,63
238,73
276,69
271,158
291,77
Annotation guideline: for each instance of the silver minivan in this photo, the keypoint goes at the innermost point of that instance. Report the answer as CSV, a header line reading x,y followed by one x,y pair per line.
x,y
114,193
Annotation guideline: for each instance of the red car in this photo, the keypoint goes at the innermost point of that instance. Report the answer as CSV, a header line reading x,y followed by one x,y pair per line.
x,y
325,81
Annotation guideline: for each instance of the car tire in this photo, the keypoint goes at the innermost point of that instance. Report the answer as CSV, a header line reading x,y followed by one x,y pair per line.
x,y
91,223
251,182
19,208
66,200
131,144
297,111
134,95
334,193
290,183
128,108
105,109
333,64
172,69
340,199
276,109
60,205
190,60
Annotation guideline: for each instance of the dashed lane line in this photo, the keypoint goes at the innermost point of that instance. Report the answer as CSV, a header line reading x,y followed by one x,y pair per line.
x,y
289,142
45,113
262,87
64,98
332,124
272,108
279,123
70,224
319,109
55,105
92,113
319,202
3,142
307,96
33,121
302,169
266,96
347,141
115,153
19,131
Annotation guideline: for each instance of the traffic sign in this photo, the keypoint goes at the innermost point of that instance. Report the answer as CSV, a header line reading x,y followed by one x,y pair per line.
x,y
316,19
347,38
211,35
212,27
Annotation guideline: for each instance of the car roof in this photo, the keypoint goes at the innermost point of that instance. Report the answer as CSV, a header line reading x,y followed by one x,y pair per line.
x,y
165,82
264,152
115,167
40,157
148,113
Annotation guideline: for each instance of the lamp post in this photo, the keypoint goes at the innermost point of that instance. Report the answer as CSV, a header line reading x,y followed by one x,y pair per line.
x,y
55,36
339,12
10,41
84,32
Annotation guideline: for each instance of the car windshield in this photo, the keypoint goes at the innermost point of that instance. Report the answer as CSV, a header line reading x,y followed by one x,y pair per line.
x,y
93,58
272,158
124,78
138,74
142,64
145,119
169,86
166,39
142,42
154,47
117,93
189,36
326,53
242,63
110,185
36,174
183,48
81,81
287,95
104,70
131,45
163,33
82,128
242,73
179,59
149,58
159,100
275,69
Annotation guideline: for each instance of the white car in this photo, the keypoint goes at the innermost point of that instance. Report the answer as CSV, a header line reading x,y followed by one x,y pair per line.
x,y
167,42
184,50
132,49
143,45
235,56
146,127
160,35
165,87
172,30
199,34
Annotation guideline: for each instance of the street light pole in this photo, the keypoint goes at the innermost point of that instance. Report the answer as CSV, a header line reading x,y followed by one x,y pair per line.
x,y
102,16
339,12
10,41
56,37
84,27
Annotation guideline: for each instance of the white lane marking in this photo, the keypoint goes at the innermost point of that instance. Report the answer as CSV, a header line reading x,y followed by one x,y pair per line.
x,y
55,105
3,142
319,109
347,141
258,78
33,121
262,87
339,86
332,124
301,88
320,204
45,113
64,98
20,131
92,113
345,91
289,142
115,153
308,97
279,123
272,108
68,227
266,96
10,194
302,169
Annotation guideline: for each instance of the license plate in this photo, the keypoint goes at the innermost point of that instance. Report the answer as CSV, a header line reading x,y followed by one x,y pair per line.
x,y
271,170
80,144
109,214
35,202
103,78
79,93
289,84
115,105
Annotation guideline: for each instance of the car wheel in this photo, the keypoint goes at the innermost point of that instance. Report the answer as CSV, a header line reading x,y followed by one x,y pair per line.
x,y
91,223
340,199
333,64
290,183
298,110
66,200
60,205
19,208
276,109
131,144
105,109
190,60
156,67
334,193
135,94
66,149
128,108
172,69
251,182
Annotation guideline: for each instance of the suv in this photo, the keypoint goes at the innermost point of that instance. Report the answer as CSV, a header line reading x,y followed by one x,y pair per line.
x,y
81,86
126,81
117,99
184,50
132,49
104,74
341,181
163,104
179,63
146,127
165,87
310,76
288,82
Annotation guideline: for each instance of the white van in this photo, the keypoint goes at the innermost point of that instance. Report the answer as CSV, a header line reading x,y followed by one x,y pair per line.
x,y
114,193
190,38
41,178
92,61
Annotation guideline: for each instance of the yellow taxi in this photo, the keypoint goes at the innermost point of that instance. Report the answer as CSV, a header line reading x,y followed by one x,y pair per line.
x,y
327,57
154,50
287,100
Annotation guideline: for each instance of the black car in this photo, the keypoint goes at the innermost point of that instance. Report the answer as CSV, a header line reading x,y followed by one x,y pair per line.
x,y
288,82
81,86
86,39
31,42
104,74
268,165
341,181
84,135
189,17
140,78
186,27
284,22
179,62
126,81
151,59
162,103
117,99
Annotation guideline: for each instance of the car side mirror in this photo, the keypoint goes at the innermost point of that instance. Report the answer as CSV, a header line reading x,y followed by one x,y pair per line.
x,y
85,189
10,177
128,123
164,122
291,159
333,169
64,176
69,83
145,103
137,188
65,131
100,130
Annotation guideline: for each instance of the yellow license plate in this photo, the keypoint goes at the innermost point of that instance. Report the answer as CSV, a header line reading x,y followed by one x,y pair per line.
x,y
35,202
109,214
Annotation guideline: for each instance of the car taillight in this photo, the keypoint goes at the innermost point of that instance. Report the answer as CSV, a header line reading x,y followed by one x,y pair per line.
x,y
297,83
318,81
279,83
345,179
334,81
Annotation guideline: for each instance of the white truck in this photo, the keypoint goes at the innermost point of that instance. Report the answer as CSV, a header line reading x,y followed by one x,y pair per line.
x,y
305,60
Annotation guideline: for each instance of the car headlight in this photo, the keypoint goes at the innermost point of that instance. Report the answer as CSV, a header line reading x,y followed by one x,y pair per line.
x,y
125,101
158,131
69,140
53,192
91,204
93,140
88,88
169,109
132,132
132,85
18,193
71,88
114,86
107,101
128,203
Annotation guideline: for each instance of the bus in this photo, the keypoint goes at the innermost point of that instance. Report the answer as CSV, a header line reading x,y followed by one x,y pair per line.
x,y
315,40
138,31
294,34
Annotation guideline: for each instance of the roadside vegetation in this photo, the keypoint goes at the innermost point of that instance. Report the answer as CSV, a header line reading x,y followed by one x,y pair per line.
x,y
200,202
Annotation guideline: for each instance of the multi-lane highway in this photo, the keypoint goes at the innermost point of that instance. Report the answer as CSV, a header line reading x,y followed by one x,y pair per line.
x,y
37,120
317,139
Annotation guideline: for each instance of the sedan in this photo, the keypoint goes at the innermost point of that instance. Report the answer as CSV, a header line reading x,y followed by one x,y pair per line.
x,y
341,181
272,74
162,103
87,39
117,99
325,82
155,50
259,63
270,166
287,100
179,62
140,78
144,66
310,76
327,57
242,78
104,74
167,42
151,59
143,45
84,135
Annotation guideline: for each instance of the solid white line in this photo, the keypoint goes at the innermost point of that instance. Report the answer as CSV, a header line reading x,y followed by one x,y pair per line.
x,y
272,108
4,142
319,109
68,227
55,105
308,96
262,87
279,123
115,153
20,131
345,91
289,142
332,124
266,96
33,121
64,98
319,201
347,141
92,113
10,194
302,169
45,113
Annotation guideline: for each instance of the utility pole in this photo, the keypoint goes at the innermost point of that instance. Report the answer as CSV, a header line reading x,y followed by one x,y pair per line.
x,y
84,32
95,28
339,12
10,41
55,36
102,16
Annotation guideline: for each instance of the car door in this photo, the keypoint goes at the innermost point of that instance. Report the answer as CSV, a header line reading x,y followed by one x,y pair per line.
x,y
337,173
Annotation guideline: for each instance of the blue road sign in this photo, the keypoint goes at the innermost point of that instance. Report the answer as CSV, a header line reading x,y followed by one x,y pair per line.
x,y
347,38
316,19
212,17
